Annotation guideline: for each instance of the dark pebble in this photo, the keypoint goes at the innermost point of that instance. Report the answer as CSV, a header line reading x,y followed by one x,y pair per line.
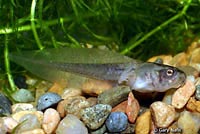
x,y
197,93
117,122
48,100
5,105
114,96
20,81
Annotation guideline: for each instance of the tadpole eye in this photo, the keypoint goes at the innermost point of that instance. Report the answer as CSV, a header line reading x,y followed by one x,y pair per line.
x,y
170,72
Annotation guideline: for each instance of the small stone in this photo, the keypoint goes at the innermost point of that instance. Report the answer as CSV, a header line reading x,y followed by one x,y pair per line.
x,y
168,96
73,105
116,122
3,129
22,107
23,95
28,122
9,123
5,105
70,92
197,93
193,105
121,107
56,88
47,100
179,60
130,129
182,95
195,58
92,101
133,108
95,116
95,87
162,114
17,116
71,125
114,96
35,131
50,120
61,108
100,130
20,81
143,123
189,122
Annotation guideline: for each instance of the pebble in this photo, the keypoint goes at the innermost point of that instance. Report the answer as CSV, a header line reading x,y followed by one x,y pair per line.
x,y
166,58
193,105
72,105
130,129
100,130
92,101
47,100
22,107
195,58
94,117
9,123
189,122
133,108
71,125
20,81
168,96
121,107
3,129
179,60
182,95
23,95
70,92
28,122
162,114
116,122
90,86
35,131
17,116
50,121
197,93
114,96
143,123
5,105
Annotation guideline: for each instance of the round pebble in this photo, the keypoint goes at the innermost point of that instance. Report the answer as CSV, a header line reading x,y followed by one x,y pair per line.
x,y
71,125
5,105
197,93
9,123
162,113
117,122
22,107
50,120
95,116
23,95
20,81
48,100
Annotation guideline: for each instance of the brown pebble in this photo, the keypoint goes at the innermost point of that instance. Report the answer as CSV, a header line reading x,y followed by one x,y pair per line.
x,y
162,114
69,92
143,123
182,95
193,105
179,60
195,58
92,101
166,59
50,120
133,108
121,107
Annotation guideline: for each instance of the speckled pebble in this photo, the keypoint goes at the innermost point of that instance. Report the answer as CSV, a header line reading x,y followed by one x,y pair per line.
x,y
182,95
71,125
50,120
9,123
5,105
28,122
189,122
69,92
100,130
162,114
143,123
95,116
197,93
22,107
72,105
114,96
116,122
48,100
133,108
